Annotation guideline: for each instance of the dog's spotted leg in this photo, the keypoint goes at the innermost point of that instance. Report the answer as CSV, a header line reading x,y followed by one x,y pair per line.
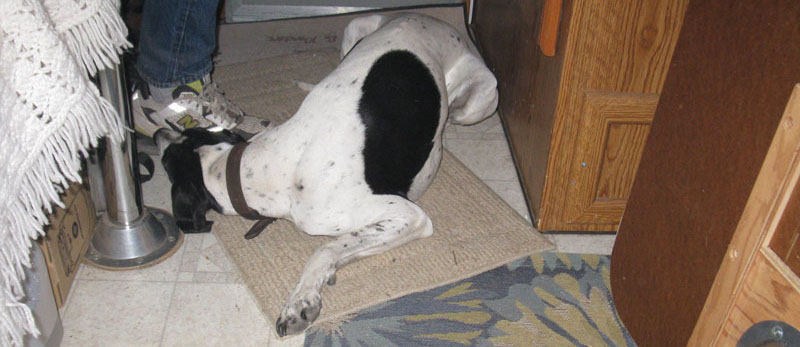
x,y
397,221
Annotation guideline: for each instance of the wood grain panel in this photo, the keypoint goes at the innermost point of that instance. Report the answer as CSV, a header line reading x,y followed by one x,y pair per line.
x,y
614,46
609,146
792,258
548,33
785,241
621,153
724,95
766,294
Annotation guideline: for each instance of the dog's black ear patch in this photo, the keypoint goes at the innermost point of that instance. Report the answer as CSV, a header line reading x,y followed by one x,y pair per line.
x,y
189,206
399,107
190,198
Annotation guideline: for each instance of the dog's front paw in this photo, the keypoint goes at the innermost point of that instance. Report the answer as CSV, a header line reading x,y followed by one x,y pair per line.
x,y
297,315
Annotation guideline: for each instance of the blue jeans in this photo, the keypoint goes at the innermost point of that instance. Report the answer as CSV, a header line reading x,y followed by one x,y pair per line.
x,y
176,41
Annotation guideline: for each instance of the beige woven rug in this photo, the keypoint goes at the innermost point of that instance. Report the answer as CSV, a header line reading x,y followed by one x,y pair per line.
x,y
475,230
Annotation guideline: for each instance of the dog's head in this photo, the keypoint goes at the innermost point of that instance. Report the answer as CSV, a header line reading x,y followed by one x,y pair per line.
x,y
190,198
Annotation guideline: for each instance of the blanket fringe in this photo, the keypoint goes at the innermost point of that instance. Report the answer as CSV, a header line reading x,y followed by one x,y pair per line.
x,y
54,114
57,164
97,42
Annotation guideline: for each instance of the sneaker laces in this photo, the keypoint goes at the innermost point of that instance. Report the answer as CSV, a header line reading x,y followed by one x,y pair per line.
x,y
223,112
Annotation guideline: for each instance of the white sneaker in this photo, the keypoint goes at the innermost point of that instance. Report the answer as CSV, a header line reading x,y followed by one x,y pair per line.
x,y
196,104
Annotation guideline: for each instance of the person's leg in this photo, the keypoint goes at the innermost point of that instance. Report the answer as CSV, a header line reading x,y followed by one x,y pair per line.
x,y
177,40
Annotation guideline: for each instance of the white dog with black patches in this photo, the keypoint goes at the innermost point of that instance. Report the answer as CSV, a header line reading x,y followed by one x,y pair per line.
x,y
365,143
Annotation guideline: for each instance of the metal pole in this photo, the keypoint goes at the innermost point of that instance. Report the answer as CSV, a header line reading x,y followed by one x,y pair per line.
x,y
127,234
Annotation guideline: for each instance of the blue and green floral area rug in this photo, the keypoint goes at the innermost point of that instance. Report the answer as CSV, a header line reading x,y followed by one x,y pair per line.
x,y
548,299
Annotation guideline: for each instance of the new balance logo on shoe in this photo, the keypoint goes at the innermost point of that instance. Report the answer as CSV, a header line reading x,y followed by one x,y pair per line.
x,y
188,122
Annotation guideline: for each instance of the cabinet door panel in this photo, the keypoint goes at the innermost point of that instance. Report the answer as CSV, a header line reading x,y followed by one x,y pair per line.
x,y
610,143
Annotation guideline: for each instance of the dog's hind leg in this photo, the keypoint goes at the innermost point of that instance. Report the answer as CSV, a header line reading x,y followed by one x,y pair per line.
x,y
397,221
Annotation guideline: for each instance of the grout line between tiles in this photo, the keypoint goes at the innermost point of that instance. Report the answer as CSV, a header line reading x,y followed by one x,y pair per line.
x,y
171,298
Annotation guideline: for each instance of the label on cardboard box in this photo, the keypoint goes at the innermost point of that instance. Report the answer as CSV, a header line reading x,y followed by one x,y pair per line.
x,y
66,239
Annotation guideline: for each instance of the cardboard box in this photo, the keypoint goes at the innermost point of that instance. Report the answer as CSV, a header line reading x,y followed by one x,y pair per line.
x,y
66,239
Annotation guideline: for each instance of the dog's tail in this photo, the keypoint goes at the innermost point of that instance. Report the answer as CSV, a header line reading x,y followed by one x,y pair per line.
x,y
307,87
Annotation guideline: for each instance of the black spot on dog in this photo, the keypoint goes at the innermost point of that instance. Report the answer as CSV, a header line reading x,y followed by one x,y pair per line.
x,y
354,81
354,234
262,195
331,163
399,107
219,175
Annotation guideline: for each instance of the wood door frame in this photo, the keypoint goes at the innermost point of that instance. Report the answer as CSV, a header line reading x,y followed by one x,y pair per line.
x,y
776,180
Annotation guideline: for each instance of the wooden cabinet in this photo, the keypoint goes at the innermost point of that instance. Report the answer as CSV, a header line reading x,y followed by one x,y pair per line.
x,y
578,120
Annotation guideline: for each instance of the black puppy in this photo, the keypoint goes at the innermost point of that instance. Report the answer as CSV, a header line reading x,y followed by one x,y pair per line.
x,y
190,198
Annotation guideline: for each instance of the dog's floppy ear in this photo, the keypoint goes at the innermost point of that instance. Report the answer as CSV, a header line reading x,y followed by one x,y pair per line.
x,y
357,29
189,206
471,90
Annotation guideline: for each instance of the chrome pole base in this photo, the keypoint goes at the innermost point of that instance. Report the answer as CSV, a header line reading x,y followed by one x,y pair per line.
x,y
148,240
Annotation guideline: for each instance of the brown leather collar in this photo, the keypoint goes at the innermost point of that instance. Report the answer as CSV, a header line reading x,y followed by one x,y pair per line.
x,y
234,184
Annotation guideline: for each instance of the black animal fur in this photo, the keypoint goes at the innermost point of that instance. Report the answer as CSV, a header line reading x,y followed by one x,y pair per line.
x,y
400,110
190,198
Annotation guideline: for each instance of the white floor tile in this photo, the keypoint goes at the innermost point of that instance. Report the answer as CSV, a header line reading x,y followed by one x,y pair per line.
x,y
116,313
511,193
214,259
213,314
156,192
490,160
584,243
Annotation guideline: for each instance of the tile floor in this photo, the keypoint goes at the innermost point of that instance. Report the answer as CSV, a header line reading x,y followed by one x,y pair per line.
x,y
195,297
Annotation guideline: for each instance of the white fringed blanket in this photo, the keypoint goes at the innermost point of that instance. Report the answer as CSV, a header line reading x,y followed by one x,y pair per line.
x,y
50,113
